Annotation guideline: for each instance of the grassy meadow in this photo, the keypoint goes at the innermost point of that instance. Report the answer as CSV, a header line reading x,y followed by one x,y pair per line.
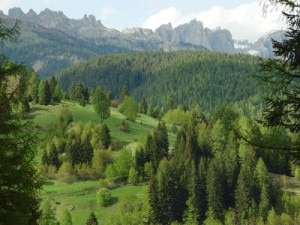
x,y
45,116
80,199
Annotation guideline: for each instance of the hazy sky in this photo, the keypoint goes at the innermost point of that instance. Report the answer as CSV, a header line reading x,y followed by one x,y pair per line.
x,y
244,18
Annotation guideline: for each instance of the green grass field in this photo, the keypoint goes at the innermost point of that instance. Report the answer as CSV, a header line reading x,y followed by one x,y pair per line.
x,y
45,116
81,198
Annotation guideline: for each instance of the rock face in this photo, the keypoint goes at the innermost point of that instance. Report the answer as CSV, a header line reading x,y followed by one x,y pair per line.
x,y
262,47
50,41
194,33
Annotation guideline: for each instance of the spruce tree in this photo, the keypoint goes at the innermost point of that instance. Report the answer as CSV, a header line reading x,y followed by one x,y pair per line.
x,y
105,137
143,107
215,188
245,189
47,217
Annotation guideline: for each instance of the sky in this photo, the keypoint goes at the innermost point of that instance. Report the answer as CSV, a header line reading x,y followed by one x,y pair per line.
x,y
244,18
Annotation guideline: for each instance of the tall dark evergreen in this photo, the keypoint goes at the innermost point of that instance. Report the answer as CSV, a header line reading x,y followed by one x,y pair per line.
x,y
44,93
245,190
155,215
52,85
215,188
19,182
160,136
105,136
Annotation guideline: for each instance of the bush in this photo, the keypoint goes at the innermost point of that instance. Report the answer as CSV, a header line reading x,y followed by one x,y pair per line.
x,y
133,177
104,197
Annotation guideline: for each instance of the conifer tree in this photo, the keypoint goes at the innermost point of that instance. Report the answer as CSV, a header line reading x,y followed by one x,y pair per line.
x,y
160,136
215,184
124,93
200,191
52,85
44,93
105,136
154,203
245,193
143,107
47,216
92,220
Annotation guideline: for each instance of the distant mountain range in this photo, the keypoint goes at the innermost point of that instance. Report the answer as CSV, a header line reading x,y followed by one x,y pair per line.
x,y
50,41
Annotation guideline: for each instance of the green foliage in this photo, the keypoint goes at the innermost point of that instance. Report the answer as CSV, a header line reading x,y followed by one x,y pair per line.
x,y
105,137
177,116
92,220
190,77
47,217
44,93
20,182
133,177
101,104
215,188
281,76
245,193
143,106
129,108
66,218
132,209
104,197
79,93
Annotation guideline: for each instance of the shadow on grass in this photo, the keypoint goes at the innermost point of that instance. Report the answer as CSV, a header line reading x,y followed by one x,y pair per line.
x,y
113,201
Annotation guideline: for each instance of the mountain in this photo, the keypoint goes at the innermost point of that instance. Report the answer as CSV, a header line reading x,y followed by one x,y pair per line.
x,y
50,41
194,33
262,47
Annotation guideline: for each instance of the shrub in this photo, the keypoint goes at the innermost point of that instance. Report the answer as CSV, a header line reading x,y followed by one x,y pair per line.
x,y
104,197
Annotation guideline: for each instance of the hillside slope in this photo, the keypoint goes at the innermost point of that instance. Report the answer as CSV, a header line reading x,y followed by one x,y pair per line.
x,y
188,77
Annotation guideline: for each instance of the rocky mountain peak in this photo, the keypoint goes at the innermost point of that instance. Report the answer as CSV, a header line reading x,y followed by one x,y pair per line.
x,y
16,13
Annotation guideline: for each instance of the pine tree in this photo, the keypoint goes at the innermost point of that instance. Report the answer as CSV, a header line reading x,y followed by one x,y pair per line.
x,y
160,136
263,186
143,107
47,216
52,85
244,193
105,137
92,220
154,203
200,191
215,184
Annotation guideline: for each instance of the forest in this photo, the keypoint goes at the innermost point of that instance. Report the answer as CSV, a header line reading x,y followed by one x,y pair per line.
x,y
185,137
185,77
